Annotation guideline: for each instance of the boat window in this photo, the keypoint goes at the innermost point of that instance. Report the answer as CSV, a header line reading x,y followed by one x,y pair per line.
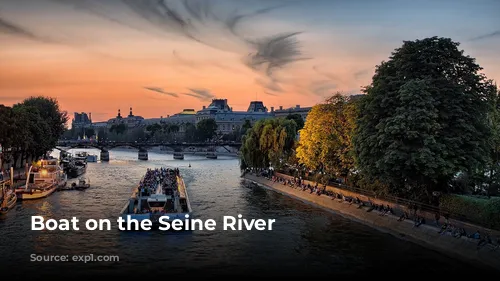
x,y
156,204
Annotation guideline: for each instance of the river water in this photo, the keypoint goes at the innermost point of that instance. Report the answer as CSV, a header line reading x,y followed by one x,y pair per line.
x,y
304,241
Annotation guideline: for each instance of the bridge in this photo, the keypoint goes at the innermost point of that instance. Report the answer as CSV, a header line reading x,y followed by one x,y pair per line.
x,y
142,147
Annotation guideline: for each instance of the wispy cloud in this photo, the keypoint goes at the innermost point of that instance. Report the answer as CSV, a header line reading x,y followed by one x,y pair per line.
x,y
201,94
322,88
10,28
487,36
197,20
161,91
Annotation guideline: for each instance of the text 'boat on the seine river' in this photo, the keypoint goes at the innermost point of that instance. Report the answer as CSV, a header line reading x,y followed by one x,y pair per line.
x,y
161,193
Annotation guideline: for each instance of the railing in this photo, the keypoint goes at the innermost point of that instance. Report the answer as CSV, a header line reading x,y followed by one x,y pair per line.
x,y
400,201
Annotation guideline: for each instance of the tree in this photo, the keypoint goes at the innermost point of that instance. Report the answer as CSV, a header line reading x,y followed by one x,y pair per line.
x,y
119,129
297,118
50,113
326,139
423,119
269,141
189,132
206,129
244,128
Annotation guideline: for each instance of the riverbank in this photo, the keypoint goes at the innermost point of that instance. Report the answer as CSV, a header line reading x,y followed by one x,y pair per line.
x,y
426,235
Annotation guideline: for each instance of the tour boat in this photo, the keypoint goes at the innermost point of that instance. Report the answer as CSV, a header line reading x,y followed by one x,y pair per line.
x,y
8,198
161,192
178,155
43,179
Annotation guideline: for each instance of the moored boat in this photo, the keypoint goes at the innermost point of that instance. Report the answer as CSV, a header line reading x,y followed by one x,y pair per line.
x,y
92,158
161,193
81,185
43,179
8,197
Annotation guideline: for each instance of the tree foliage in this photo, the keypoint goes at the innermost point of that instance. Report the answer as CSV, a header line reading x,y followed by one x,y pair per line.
x,y
423,118
206,129
326,139
269,141
31,128
297,118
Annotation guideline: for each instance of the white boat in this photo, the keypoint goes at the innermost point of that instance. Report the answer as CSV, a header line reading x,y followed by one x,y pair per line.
x,y
91,158
43,179
178,155
161,192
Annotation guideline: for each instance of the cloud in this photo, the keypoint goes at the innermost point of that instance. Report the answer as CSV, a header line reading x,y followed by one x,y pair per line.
x,y
201,94
487,36
269,84
10,28
322,88
199,20
161,91
275,52
270,94
361,74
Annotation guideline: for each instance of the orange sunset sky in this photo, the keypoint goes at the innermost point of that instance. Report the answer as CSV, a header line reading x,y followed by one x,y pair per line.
x,y
101,56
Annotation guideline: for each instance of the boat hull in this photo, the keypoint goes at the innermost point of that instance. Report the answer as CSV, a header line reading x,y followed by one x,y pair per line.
x,y
35,194
91,158
74,173
9,205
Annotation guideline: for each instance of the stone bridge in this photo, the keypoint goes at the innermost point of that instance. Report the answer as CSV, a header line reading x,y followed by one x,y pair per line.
x,y
142,147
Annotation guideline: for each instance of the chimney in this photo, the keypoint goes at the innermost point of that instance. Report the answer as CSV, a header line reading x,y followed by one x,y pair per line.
x,y
90,117
281,107
297,106
272,108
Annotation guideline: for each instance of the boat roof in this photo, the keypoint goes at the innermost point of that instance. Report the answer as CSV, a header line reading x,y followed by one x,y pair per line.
x,y
157,198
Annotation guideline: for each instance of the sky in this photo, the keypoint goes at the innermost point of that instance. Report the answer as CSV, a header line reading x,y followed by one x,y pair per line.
x,y
160,57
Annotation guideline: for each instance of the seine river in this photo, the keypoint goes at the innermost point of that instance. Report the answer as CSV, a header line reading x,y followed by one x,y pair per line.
x,y
304,241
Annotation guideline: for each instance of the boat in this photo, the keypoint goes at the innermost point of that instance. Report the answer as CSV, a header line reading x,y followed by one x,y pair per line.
x,y
76,168
211,155
91,158
178,155
43,179
161,192
81,185
8,197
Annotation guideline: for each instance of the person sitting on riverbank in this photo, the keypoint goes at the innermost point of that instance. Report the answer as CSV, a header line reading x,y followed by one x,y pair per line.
x,y
403,217
419,221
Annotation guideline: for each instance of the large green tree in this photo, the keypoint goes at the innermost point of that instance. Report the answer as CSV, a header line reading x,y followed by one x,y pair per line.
x,y
326,140
51,114
206,129
423,119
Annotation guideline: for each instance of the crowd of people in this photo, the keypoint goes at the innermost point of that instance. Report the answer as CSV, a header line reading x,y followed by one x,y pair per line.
x,y
447,228
165,176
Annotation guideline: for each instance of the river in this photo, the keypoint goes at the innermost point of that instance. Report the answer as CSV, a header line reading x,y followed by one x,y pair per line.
x,y
305,240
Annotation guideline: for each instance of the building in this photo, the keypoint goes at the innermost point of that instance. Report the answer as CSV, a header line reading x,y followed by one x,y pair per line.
x,y
187,116
81,120
302,111
229,121
131,121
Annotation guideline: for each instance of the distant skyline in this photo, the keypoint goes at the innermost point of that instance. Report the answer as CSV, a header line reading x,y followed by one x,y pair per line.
x,y
161,57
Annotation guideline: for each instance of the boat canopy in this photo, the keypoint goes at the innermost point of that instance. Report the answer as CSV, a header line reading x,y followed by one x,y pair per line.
x,y
157,198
